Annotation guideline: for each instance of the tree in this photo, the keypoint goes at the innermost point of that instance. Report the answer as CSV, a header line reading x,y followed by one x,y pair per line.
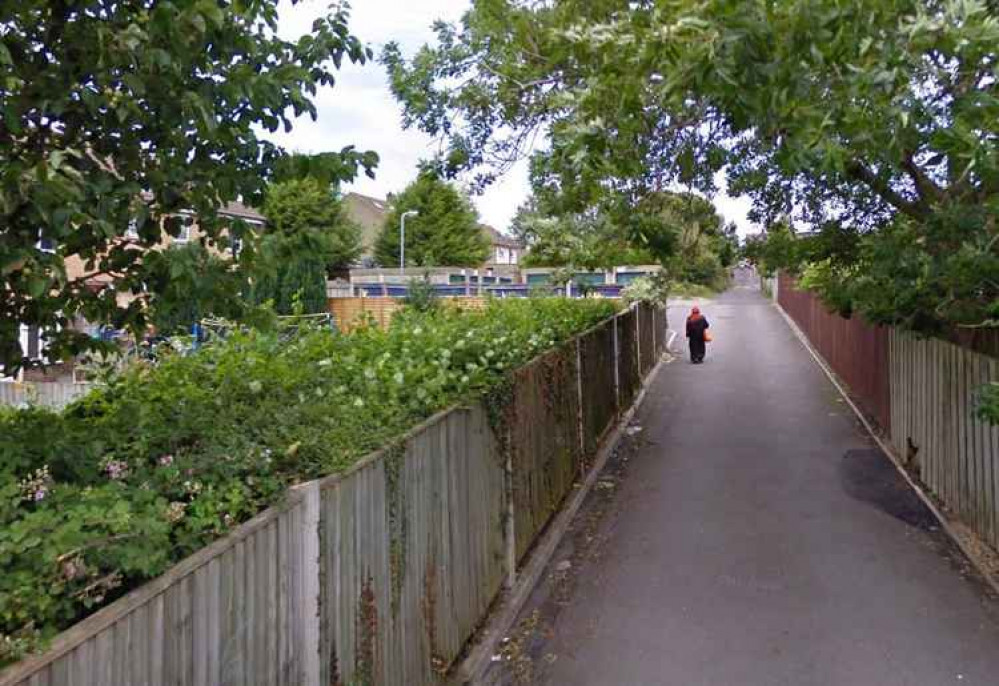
x,y
880,116
584,241
681,231
119,114
704,247
308,238
190,282
445,232
289,271
307,206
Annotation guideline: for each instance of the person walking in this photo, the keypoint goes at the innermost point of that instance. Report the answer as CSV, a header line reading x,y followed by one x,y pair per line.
x,y
697,335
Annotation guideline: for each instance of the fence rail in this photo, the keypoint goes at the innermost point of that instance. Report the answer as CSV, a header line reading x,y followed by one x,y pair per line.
x,y
923,394
379,575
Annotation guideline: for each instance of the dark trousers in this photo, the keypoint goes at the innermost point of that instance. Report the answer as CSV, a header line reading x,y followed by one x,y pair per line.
x,y
697,349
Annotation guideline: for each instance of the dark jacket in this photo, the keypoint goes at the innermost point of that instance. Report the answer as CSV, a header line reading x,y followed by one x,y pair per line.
x,y
696,328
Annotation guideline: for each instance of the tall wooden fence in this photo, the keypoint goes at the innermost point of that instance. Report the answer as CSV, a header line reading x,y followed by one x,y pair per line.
x,y
934,385
381,575
856,351
928,389
348,313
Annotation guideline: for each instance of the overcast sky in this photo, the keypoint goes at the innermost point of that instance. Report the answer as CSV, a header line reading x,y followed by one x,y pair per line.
x,y
360,110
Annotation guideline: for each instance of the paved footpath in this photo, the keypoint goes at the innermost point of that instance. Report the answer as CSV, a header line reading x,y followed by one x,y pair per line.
x,y
754,537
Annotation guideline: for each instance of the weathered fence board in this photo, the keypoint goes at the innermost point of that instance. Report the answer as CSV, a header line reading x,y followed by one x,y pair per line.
x,y
544,440
627,357
934,385
195,624
646,338
51,394
599,401
382,574
856,351
413,550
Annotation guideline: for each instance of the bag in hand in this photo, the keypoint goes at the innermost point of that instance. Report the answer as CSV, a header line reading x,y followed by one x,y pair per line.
x,y
707,336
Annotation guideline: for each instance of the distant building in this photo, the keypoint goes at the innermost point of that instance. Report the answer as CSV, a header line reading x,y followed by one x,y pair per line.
x,y
368,213
503,250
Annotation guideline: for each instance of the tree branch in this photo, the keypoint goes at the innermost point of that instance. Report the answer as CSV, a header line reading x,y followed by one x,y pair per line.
x,y
927,189
858,171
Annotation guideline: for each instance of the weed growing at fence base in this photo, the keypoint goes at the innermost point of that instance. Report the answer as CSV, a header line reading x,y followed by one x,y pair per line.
x,y
137,475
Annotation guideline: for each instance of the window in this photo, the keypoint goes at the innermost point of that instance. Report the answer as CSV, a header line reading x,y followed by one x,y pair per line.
x,y
33,338
186,221
45,244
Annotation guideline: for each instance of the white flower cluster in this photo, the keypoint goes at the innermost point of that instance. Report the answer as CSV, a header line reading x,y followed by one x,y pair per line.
x,y
36,486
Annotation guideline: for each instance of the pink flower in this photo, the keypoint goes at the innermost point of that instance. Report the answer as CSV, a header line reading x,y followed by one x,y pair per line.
x,y
115,469
166,460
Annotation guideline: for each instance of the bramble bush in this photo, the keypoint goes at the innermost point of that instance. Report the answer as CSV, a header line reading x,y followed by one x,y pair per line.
x,y
142,472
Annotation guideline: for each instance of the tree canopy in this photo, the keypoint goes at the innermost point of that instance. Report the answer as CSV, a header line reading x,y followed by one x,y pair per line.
x,y
308,238
124,114
307,205
191,282
445,232
878,115
681,231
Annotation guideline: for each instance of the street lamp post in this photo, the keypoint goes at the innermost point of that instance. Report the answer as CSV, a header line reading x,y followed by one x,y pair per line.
x,y
402,240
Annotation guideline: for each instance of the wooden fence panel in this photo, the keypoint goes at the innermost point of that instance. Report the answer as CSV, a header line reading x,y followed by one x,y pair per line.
x,y
412,549
348,313
52,394
933,390
204,622
646,338
599,401
629,377
661,326
546,453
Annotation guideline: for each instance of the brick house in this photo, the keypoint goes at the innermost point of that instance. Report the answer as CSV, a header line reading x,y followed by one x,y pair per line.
x,y
76,269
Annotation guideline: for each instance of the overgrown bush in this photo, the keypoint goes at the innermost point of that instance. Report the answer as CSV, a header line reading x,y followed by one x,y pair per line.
x,y
421,295
988,403
142,472
654,288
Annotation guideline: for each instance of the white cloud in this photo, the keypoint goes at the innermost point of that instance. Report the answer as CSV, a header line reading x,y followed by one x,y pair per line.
x,y
360,110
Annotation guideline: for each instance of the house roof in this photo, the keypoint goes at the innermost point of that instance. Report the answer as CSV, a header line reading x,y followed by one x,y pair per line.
x,y
241,211
369,213
498,239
